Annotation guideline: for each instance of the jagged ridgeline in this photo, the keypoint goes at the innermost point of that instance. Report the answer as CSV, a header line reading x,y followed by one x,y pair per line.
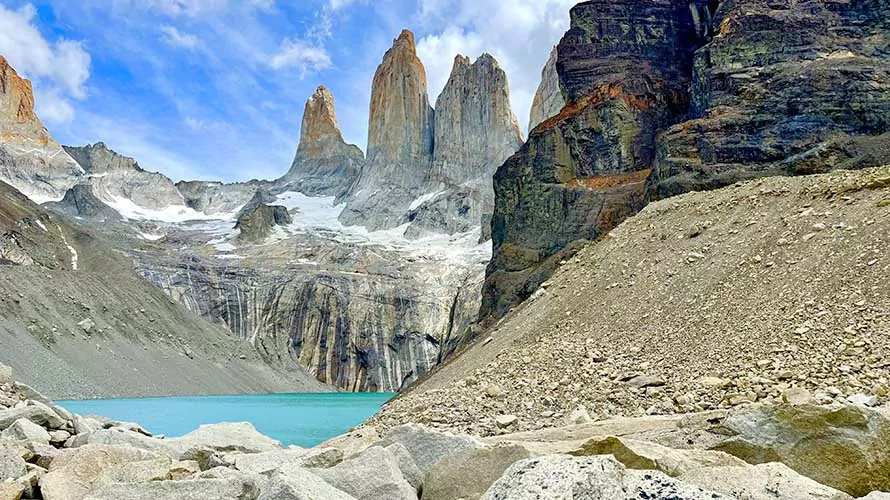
x,y
366,271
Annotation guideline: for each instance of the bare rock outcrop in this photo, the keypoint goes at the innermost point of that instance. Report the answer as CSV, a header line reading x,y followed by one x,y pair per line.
x,y
324,165
30,160
674,96
475,132
114,176
548,99
400,139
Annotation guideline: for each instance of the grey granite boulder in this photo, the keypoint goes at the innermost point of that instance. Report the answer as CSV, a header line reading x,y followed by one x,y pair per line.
x,y
26,430
427,446
76,473
772,481
295,483
12,466
36,412
192,489
561,477
371,475
471,473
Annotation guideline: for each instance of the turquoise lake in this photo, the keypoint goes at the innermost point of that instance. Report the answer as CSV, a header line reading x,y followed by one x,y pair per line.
x,y
301,419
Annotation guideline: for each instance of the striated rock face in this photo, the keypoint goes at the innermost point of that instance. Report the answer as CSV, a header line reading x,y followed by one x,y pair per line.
x,y
115,176
476,129
30,160
548,99
586,169
787,88
666,97
401,120
359,319
80,201
325,165
475,132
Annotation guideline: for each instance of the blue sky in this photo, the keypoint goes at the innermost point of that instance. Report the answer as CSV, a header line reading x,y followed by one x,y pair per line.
x,y
215,89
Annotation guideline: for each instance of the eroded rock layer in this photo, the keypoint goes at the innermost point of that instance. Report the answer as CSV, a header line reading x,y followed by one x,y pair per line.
x,y
669,97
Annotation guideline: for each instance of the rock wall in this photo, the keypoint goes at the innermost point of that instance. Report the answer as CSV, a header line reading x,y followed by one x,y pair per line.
x,y
400,140
30,160
376,326
666,97
475,132
324,165
548,99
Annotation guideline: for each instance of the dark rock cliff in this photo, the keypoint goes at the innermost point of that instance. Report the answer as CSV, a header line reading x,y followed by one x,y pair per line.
x,y
668,96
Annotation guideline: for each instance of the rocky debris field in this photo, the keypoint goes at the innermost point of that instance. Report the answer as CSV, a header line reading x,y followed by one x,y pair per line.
x,y
763,292
780,452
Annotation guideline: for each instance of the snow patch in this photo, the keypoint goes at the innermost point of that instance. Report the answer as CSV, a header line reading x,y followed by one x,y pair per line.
x,y
41,226
70,248
425,198
151,237
224,247
229,257
172,214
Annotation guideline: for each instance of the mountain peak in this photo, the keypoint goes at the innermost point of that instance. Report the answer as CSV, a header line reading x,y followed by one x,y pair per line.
x,y
405,39
320,132
16,96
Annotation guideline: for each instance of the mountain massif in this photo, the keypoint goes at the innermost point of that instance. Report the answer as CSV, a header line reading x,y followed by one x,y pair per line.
x,y
367,269
673,96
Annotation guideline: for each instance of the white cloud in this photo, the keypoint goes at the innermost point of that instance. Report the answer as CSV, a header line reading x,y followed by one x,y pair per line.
x,y
301,55
519,34
179,39
58,71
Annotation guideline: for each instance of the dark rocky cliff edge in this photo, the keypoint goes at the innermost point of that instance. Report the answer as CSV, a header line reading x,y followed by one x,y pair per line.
x,y
670,96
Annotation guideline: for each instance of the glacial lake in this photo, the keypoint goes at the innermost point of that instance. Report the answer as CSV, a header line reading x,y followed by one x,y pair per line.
x,y
301,419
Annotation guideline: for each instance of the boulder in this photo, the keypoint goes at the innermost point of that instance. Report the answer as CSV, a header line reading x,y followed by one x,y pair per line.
x,y
845,447
30,393
409,469
773,481
36,412
74,474
227,437
268,461
157,469
876,495
427,446
11,491
194,489
294,483
321,458
353,442
600,477
43,454
644,455
471,473
373,474
12,466
117,436
26,430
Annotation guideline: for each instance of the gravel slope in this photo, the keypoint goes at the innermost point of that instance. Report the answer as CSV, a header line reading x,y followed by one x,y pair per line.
x,y
76,321
761,287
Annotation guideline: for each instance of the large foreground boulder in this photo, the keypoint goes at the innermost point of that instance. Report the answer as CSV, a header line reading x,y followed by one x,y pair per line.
x,y
75,474
427,446
643,455
772,481
239,437
471,473
295,483
192,489
373,474
845,447
597,478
